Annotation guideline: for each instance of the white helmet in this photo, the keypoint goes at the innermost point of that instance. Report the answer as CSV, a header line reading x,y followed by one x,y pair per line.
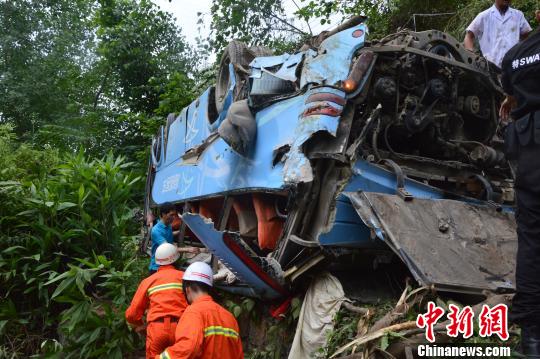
x,y
166,253
199,272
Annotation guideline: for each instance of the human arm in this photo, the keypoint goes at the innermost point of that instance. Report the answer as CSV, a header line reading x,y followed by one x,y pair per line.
x,y
188,338
509,102
474,30
138,306
506,106
193,250
468,42
524,27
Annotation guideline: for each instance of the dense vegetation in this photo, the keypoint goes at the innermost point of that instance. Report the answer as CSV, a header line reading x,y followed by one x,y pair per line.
x,y
264,21
66,253
83,86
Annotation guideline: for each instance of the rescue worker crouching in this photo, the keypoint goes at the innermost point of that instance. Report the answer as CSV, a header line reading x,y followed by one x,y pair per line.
x,y
206,330
160,294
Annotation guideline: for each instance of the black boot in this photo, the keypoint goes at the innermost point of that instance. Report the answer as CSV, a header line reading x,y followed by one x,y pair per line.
x,y
530,341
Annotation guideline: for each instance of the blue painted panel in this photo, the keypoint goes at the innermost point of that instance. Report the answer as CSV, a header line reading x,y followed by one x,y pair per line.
x,y
333,62
175,141
370,178
349,235
197,122
220,169
348,229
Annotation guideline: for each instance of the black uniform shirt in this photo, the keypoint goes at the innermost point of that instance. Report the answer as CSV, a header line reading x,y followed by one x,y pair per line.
x,y
521,75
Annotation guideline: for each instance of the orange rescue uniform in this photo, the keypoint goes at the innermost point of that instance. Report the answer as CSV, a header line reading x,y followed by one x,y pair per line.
x,y
205,331
161,293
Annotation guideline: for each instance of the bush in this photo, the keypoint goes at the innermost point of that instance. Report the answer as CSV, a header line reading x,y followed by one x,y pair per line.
x,y
67,242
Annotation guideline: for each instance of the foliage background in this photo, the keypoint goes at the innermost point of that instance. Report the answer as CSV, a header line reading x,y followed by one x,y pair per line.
x,y
84,84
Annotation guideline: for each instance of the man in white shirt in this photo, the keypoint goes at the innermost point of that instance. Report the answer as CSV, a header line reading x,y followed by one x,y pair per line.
x,y
498,29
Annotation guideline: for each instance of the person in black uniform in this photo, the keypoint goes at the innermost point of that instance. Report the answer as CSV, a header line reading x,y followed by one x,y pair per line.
x,y
521,82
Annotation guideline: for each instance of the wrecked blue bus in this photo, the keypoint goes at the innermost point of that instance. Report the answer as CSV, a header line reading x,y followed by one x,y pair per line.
x,y
386,148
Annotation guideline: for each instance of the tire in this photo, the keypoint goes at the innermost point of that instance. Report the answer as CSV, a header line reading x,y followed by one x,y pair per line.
x,y
157,142
259,51
240,55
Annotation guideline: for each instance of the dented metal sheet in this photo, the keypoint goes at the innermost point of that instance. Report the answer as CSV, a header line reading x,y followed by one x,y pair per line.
x,y
216,242
452,245
335,54
297,167
287,65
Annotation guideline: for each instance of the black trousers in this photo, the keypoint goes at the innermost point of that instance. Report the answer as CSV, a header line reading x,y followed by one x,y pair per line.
x,y
526,304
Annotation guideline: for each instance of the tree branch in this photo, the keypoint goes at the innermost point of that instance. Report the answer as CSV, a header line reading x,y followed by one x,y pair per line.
x,y
305,19
297,30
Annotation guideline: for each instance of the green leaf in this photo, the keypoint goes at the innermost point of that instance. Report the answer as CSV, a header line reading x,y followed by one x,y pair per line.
x,y
65,205
249,304
59,277
237,310
81,192
63,286
12,249
3,324
384,342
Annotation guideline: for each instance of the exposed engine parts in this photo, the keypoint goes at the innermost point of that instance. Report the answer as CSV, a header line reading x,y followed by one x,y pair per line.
x,y
434,107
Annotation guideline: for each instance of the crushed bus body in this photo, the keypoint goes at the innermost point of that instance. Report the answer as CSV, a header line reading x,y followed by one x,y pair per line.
x,y
387,148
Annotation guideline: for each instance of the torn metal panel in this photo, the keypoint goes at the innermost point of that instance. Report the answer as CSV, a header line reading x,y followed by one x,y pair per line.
x,y
268,61
366,214
333,147
231,256
452,245
287,65
332,63
297,167
191,156
288,70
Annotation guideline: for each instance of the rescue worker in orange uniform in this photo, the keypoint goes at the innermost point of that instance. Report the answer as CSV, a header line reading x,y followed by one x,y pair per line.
x,y
206,330
160,294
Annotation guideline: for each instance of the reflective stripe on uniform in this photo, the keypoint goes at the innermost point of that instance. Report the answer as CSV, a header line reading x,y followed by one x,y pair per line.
x,y
165,286
165,355
219,330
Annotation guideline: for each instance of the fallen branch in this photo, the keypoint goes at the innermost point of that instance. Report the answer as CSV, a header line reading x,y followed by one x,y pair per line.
x,y
404,296
375,335
401,309
412,340
353,308
362,327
